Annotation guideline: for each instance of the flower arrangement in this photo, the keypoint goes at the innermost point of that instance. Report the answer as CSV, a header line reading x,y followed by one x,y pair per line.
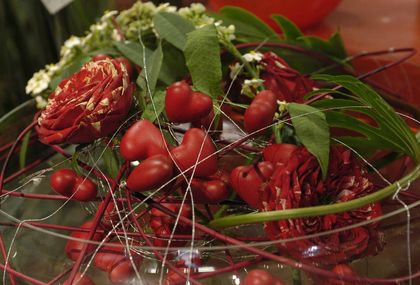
x,y
186,134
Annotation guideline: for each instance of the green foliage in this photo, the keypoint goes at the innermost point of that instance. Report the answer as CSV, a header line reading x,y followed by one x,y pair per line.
x,y
132,51
155,108
111,161
202,53
291,32
173,67
248,27
151,70
312,131
332,47
173,28
385,131
24,149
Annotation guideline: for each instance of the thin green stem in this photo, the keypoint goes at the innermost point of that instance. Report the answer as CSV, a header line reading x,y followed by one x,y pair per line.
x,y
223,209
316,210
277,132
297,278
236,53
141,100
24,149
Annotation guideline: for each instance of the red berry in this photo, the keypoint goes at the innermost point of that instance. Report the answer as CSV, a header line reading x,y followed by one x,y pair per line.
x,y
121,272
196,144
247,182
73,247
151,173
342,269
141,141
63,181
183,105
261,111
80,280
84,189
261,277
211,191
279,153
67,183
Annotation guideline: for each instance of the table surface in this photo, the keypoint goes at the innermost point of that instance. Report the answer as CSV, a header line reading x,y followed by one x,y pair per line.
x,y
368,25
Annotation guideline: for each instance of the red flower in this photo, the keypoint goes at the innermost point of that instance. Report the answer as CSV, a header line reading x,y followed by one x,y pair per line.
x,y
298,183
288,84
88,105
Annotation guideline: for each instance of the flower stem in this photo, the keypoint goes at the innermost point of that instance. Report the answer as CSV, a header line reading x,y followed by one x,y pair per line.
x,y
296,277
316,210
223,209
236,53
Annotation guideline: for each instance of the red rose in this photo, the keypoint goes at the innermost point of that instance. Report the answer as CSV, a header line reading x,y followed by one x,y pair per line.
x,y
298,183
288,84
88,105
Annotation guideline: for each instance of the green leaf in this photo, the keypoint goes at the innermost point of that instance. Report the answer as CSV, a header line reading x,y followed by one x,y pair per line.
x,y
318,44
151,69
173,28
153,110
290,31
202,53
173,66
337,45
24,150
132,51
247,25
389,130
111,161
70,70
313,132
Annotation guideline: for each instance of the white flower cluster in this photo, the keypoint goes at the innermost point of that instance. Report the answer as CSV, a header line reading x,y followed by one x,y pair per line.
x,y
250,57
196,13
250,86
116,27
253,56
140,18
99,34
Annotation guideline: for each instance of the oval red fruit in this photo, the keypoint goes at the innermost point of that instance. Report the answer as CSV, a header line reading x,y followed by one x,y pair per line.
x,y
141,141
62,181
261,277
67,183
151,173
196,144
212,191
84,190
279,153
73,247
342,269
182,105
121,272
261,111
247,182
80,280
108,256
